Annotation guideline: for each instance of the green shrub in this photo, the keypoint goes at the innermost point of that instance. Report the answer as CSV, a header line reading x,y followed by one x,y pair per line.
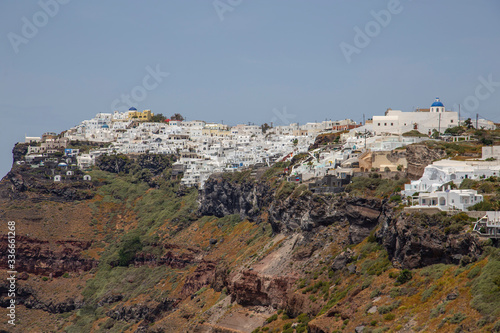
x,y
272,318
481,206
301,328
372,238
436,271
285,190
369,247
404,276
389,316
468,184
440,309
376,292
457,318
201,291
395,198
474,272
427,293
366,282
303,318
395,292
388,308
379,265
374,185
485,287
130,246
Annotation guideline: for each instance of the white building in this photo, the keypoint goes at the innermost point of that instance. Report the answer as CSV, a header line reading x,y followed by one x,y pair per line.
x,y
422,120
491,152
449,199
85,161
444,171
32,139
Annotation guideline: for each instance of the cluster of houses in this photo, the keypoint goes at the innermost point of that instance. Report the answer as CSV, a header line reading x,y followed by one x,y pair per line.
x,y
205,148
51,152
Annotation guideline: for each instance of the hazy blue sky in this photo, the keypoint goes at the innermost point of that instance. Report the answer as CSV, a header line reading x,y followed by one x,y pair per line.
x,y
238,61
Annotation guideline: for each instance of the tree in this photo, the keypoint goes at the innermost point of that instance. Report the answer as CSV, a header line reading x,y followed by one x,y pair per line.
x,y
265,127
177,116
468,123
457,130
486,141
158,118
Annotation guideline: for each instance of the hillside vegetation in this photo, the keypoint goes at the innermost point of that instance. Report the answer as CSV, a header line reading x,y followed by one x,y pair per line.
x,y
250,253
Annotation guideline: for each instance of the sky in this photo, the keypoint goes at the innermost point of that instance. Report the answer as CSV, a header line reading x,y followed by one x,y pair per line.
x,y
241,61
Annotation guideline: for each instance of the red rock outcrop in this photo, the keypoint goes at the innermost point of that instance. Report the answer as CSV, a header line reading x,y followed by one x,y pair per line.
x,y
251,288
43,258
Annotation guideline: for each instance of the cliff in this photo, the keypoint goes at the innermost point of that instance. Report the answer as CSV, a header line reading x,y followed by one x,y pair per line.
x,y
248,253
420,156
420,240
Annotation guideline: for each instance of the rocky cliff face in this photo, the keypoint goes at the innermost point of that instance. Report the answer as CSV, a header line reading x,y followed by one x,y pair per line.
x,y
42,258
250,288
311,211
21,179
303,211
222,197
325,139
154,163
31,299
19,151
414,241
420,156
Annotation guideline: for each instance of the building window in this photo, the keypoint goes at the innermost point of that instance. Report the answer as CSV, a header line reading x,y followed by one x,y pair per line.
x,y
451,121
392,124
385,124
379,124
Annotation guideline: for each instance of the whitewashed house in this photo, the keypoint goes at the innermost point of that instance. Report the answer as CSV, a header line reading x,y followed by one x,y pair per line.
x,y
448,199
444,171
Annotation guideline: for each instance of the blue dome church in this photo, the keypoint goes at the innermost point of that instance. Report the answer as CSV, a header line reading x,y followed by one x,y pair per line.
x,y
437,106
